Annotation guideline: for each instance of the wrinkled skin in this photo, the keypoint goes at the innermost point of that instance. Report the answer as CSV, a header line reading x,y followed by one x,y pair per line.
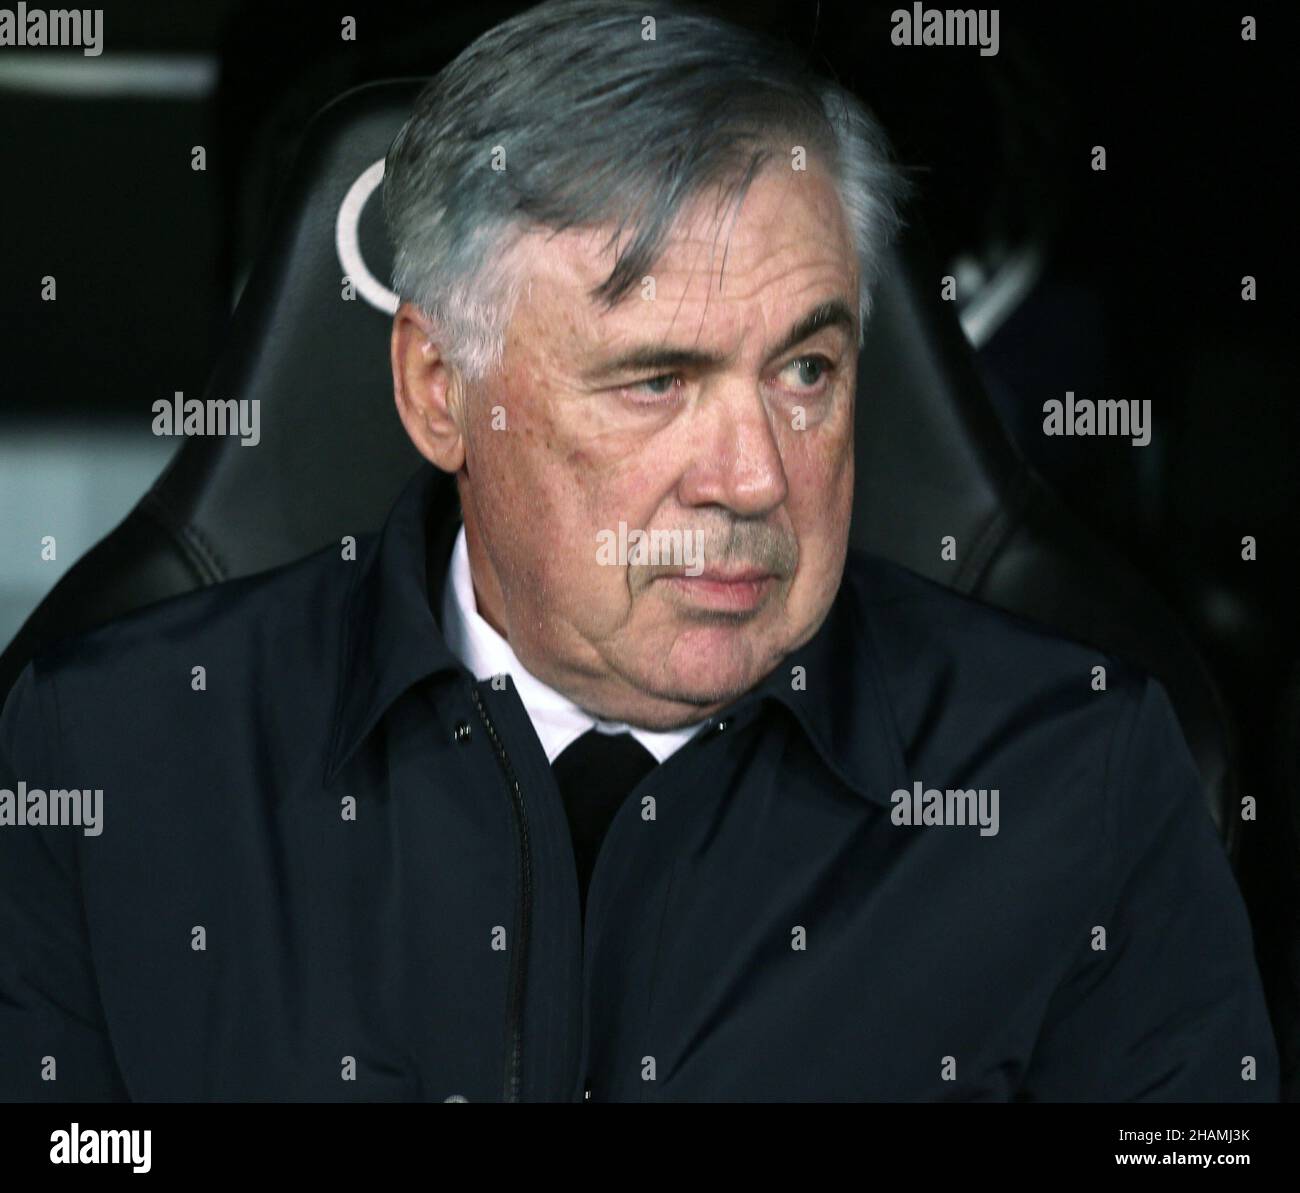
x,y
718,446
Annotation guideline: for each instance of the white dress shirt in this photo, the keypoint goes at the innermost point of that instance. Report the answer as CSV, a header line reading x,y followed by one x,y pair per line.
x,y
558,721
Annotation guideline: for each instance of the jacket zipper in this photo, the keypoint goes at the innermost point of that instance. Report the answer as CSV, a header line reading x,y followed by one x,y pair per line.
x,y
519,951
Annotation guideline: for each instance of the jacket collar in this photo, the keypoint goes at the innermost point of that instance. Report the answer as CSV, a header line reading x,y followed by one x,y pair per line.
x,y
390,637
839,699
391,641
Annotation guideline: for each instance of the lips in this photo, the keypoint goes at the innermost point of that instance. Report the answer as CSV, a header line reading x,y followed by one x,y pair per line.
x,y
720,576
738,591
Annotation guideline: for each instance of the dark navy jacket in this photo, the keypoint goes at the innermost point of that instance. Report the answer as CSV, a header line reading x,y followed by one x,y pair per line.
x,y
342,871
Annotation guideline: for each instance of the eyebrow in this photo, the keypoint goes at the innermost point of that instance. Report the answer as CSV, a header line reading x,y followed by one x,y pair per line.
x,y
833,313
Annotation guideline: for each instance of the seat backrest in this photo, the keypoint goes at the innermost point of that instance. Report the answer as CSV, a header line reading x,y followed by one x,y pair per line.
x,y
932,458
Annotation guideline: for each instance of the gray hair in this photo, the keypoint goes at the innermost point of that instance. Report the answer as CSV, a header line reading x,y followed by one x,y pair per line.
x,y
606,120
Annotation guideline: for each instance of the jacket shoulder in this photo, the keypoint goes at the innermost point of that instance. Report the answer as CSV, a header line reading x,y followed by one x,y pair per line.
x,y
899,600
292,614
932,643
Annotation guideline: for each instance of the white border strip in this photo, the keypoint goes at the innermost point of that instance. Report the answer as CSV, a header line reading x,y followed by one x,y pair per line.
x,y
992,305
173,76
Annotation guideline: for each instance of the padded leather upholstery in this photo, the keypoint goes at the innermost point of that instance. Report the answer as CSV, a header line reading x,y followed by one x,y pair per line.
x,y
933,459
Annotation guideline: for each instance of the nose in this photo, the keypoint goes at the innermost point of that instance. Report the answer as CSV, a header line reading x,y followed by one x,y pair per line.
x,y
736,455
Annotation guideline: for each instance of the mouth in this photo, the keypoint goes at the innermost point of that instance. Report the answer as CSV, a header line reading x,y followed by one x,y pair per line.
x,y
736,591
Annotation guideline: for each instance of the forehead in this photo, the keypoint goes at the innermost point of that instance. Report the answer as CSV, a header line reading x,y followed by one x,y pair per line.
x,y
729,276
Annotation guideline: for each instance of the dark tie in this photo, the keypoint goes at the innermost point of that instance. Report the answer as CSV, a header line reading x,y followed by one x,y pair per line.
x,y
594,775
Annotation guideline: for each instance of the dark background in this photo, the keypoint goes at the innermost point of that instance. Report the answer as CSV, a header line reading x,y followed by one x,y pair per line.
x,y
1135,292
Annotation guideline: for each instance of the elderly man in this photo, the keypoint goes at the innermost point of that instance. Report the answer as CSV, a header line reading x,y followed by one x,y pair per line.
x,y
619,777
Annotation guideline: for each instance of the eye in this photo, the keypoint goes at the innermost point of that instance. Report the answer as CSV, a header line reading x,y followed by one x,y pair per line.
x,y
644,393
807,372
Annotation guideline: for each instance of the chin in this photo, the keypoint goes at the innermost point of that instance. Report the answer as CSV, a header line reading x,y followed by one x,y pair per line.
x,y
711,667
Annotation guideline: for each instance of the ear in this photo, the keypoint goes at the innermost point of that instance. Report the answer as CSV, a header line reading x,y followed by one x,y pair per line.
x,y
428,390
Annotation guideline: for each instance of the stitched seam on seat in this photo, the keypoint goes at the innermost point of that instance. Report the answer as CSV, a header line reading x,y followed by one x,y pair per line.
x,y
996,532
198,555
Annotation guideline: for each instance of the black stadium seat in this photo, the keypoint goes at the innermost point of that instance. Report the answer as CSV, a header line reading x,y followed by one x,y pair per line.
x,y
933,459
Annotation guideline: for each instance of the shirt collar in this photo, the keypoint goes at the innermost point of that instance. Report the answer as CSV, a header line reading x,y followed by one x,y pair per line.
x,y
557,720
392,640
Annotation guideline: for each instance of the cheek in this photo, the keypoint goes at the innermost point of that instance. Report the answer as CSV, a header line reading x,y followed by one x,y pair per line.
x,y
820,504
819,472
513,497
542,508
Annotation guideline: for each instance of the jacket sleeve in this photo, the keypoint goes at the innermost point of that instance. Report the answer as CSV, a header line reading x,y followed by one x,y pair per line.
x,y
54,1044
1172,1009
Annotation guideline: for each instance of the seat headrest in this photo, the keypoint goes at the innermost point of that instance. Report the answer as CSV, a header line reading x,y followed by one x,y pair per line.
x,y
333,454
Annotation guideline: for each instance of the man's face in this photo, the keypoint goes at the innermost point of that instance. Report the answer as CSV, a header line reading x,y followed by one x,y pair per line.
x,y
699,405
